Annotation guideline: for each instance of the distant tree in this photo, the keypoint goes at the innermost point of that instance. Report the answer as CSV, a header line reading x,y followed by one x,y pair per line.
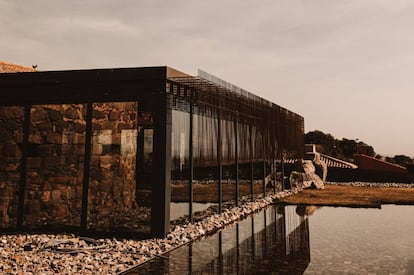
x,y
389,159
402,160
343,149
327,141
348,147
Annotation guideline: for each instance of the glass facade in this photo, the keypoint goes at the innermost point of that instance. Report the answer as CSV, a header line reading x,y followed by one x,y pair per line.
x,y
135,150
11,138
55,159
112,178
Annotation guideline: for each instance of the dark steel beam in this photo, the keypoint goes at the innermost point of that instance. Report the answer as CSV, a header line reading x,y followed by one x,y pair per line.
x,y
86,167
23,167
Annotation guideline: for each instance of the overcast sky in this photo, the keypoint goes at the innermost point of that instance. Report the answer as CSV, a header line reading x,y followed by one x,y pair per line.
x,y
346,66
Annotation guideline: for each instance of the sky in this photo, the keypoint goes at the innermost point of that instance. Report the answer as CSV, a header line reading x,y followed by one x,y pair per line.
x,y
346,66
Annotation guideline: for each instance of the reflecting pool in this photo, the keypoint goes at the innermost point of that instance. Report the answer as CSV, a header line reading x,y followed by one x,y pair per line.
x,y
301,240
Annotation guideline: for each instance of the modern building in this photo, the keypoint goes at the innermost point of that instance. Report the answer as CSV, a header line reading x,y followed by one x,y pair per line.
x,y
134,150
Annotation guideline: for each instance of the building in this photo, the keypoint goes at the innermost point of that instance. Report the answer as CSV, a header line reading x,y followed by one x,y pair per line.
x,y
133,150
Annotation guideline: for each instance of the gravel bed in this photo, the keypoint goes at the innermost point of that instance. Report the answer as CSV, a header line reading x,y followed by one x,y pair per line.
x,y
72,254
373,184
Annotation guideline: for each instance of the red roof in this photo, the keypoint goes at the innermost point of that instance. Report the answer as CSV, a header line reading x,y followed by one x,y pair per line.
x,y
14,68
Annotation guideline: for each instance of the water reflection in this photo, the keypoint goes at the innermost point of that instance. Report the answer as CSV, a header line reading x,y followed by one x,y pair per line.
x,y
275,240
280,240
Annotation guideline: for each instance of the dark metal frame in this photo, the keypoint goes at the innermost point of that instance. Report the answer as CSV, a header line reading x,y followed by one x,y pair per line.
x,y
285,129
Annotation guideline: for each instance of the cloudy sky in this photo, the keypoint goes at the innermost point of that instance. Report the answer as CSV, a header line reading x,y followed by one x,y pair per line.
x,y
346,66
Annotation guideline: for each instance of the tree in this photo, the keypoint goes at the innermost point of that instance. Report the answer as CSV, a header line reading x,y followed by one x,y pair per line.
x,y
402,160
342,149
318,137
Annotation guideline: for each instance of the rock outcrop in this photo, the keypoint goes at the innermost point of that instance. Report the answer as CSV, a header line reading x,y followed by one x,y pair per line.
x,y
309,173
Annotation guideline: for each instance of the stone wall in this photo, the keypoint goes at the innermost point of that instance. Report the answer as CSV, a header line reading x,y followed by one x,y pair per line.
x,y
11,134
55,164
113,163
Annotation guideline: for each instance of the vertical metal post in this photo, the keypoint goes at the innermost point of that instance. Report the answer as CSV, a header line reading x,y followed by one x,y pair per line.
x,y
253,241
220,167
264,168
23,166
238,247
161,189
283,170
190,259
191,163
220,257
86,167
251,164
236,134
274,174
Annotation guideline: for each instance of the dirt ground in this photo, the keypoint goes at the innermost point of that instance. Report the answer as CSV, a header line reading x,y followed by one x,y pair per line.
x,y
351,196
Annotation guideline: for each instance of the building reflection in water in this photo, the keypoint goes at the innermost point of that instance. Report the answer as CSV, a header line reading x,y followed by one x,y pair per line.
x,y
275,240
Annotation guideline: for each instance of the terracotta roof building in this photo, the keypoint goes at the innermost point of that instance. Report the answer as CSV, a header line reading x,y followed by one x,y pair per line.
x,y
6,67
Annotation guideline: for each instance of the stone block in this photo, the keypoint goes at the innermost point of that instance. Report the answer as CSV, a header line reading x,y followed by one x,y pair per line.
x,y
32,207
51,162
35,138
60,210
114,115
130,106
61,126
71,113
96,126
56,195
108,125
98,114
68,137
60,182
34,163
54,138
45,198
67,149
46,186
116,139
123,126
79,139
54,115
80,127
38,114
44,126
44,150
12,150
79,150
106,162
104,137
97,149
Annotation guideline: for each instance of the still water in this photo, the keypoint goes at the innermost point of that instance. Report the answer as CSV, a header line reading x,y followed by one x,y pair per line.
x,y
299,240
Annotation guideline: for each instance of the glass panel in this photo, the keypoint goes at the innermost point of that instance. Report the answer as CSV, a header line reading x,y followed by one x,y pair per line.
x,y
243,133
257,162
112,185
228,153
180,164
11,137
55,159
205,186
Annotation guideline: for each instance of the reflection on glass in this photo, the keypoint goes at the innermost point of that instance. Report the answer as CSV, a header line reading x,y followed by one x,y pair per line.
x,y
262,244
180,164
228,159
56,147
205,184
243,133
112,201
11,136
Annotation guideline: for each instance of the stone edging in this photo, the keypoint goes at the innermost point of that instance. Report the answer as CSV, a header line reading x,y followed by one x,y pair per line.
x,y
70,254
373,184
